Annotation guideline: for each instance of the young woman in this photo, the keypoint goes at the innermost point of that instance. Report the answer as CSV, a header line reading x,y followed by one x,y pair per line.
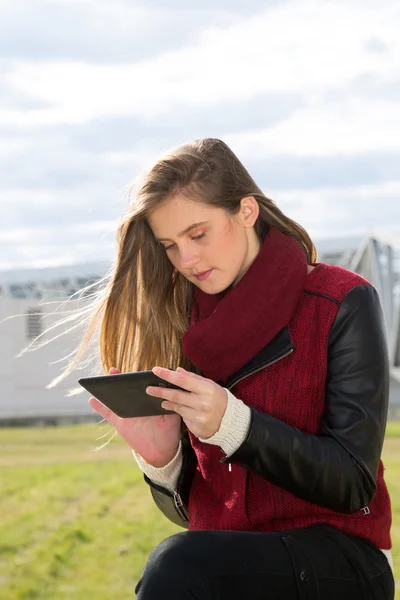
x,y
272,460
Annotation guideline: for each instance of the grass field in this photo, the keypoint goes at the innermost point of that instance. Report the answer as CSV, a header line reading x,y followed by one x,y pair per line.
x,y
78,523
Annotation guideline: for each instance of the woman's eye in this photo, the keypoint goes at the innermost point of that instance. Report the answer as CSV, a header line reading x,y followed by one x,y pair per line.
x,y
197,237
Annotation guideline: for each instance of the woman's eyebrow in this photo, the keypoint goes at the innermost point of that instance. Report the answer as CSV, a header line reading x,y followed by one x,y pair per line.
x,y
184,231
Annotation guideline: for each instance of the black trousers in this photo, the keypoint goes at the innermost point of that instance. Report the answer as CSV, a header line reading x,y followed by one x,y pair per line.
x,y
317,563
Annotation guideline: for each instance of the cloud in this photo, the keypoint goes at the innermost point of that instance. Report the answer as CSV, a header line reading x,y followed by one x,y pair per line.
x,y
59,165
235,6
102,32
243,60
334,172
126,132
376,45
52,208
52,162
11,98
66,240
327,212
306,93
372,86
56,244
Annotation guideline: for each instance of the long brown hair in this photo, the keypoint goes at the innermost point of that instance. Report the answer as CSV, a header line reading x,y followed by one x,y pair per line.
x,y
142,310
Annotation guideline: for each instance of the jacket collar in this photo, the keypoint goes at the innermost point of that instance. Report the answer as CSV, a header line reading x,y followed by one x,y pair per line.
x,y
279,347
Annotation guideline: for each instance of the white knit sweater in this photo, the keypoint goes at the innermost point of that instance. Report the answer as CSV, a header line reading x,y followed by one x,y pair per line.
x,y
231,434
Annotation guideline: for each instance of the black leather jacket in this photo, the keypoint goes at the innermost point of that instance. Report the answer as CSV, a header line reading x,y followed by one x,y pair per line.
x,y
337,468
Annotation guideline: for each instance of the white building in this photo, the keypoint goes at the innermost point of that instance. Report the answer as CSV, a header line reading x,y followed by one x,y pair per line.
x,y
23,394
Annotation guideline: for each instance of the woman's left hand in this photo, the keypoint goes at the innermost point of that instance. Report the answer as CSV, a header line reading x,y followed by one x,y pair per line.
x,y
202,409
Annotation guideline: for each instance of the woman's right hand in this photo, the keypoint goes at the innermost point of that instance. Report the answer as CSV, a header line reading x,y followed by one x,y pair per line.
x,y
156,438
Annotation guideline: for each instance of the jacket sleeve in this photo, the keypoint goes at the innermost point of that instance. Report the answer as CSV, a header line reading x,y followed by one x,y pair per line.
x,y
337,468
175,504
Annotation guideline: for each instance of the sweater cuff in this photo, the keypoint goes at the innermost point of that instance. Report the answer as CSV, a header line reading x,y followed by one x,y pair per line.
x,y
166,476
234,426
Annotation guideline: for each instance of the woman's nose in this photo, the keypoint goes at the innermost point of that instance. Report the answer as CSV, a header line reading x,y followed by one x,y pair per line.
x,y
188,259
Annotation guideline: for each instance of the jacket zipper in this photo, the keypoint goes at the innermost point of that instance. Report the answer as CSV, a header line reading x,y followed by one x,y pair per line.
x,y
256,371
268,364
179,505
175,496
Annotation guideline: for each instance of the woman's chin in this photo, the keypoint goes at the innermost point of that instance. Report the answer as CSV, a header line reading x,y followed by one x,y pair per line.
x,y
213,288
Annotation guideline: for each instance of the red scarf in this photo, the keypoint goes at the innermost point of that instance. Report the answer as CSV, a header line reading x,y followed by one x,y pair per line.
x,y
230,328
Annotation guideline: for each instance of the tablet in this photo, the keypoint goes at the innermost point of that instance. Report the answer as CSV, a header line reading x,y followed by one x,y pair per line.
x,y
125,393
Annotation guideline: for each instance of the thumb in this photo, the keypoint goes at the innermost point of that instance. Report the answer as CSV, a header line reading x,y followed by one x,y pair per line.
x,y
104,412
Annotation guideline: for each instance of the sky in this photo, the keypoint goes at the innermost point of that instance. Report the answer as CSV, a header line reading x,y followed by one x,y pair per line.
x,y
305,92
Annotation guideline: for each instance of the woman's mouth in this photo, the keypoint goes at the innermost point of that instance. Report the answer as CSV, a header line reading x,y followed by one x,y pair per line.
x,y
203,275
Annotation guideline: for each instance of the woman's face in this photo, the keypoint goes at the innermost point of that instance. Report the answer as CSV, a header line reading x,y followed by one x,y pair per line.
x,y
198,237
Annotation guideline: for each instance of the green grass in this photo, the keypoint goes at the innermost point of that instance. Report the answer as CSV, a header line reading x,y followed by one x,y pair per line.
x,y
78,523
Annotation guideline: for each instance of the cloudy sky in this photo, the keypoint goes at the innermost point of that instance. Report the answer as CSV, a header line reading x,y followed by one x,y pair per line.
x,y
306,92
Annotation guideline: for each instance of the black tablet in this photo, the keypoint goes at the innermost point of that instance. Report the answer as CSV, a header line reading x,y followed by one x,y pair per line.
x,y
125,393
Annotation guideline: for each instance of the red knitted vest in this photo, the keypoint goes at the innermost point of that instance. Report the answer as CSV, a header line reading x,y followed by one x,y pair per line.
x,y
293,390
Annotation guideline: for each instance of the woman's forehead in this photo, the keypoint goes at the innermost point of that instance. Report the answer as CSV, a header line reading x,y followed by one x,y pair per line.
x,y
178,213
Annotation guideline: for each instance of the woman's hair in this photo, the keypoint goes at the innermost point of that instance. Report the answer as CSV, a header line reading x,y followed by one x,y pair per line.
x,y
143,308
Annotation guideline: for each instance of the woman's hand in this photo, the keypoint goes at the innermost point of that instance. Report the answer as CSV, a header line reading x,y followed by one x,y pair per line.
x,y
156,438
202,409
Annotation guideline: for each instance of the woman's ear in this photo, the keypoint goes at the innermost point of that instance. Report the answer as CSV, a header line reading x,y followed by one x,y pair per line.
x,y
250,210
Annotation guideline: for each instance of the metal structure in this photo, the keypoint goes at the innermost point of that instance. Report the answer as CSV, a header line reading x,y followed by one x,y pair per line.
x,y
377,258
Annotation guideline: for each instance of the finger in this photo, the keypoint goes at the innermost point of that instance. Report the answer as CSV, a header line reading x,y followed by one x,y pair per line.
x,y
195,375
103,411
178,397
191,384
185,412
